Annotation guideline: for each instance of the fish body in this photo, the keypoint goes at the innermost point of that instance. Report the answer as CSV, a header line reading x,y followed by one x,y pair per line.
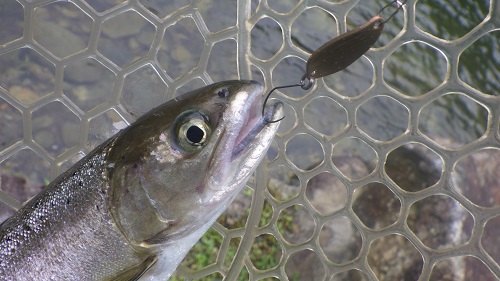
x,y
134,206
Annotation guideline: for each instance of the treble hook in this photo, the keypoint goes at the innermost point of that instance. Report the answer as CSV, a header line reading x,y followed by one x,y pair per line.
x,y
400,6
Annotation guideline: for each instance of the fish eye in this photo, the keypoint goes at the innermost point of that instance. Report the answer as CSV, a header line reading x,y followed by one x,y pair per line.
x,y
193,131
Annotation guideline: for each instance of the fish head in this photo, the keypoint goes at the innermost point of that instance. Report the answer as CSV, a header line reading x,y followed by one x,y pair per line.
x,y
178,167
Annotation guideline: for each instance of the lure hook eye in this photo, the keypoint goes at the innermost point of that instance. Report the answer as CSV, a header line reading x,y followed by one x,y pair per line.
x,y
307,83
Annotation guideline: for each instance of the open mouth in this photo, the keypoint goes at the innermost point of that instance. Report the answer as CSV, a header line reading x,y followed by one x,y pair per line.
x,y
253,125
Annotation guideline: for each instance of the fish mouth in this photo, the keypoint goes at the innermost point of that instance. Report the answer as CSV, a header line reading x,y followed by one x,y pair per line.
x,y
253,125
255,120
247,136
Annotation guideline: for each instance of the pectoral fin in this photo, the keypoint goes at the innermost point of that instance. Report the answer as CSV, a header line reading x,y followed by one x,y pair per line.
x,y
134,273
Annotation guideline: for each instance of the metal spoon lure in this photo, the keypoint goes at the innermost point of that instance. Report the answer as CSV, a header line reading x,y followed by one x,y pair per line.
x,y
340,52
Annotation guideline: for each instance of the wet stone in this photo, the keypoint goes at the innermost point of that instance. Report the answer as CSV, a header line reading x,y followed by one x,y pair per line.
x,y
23,94
296,224
181,48
340,240
440,222
376,205
19,187
88,83
354,158
11,125
143,90
119,40
29,164
52,28
11,21
393,257
283,183
350,275
304,265
476,177
413,167
85,71
491,238
461,268
304,151
326,193
48,32
352,167
28,74
55,139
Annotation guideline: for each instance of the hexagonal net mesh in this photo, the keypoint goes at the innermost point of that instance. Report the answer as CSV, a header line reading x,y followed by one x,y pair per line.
x,y
387,170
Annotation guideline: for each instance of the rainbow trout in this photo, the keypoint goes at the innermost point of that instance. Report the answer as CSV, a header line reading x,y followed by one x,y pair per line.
x,y
134,206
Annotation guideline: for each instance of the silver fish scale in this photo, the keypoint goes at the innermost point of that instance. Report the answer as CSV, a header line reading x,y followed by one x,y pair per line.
x,y
103,242
385,171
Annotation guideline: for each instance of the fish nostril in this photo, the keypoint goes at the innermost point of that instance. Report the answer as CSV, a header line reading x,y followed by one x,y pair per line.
x,y
223,93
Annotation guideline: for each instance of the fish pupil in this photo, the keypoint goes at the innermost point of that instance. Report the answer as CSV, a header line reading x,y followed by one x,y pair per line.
x,y
195,134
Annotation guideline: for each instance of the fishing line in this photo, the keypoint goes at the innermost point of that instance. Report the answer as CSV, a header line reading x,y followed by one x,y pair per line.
x,y
352,45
